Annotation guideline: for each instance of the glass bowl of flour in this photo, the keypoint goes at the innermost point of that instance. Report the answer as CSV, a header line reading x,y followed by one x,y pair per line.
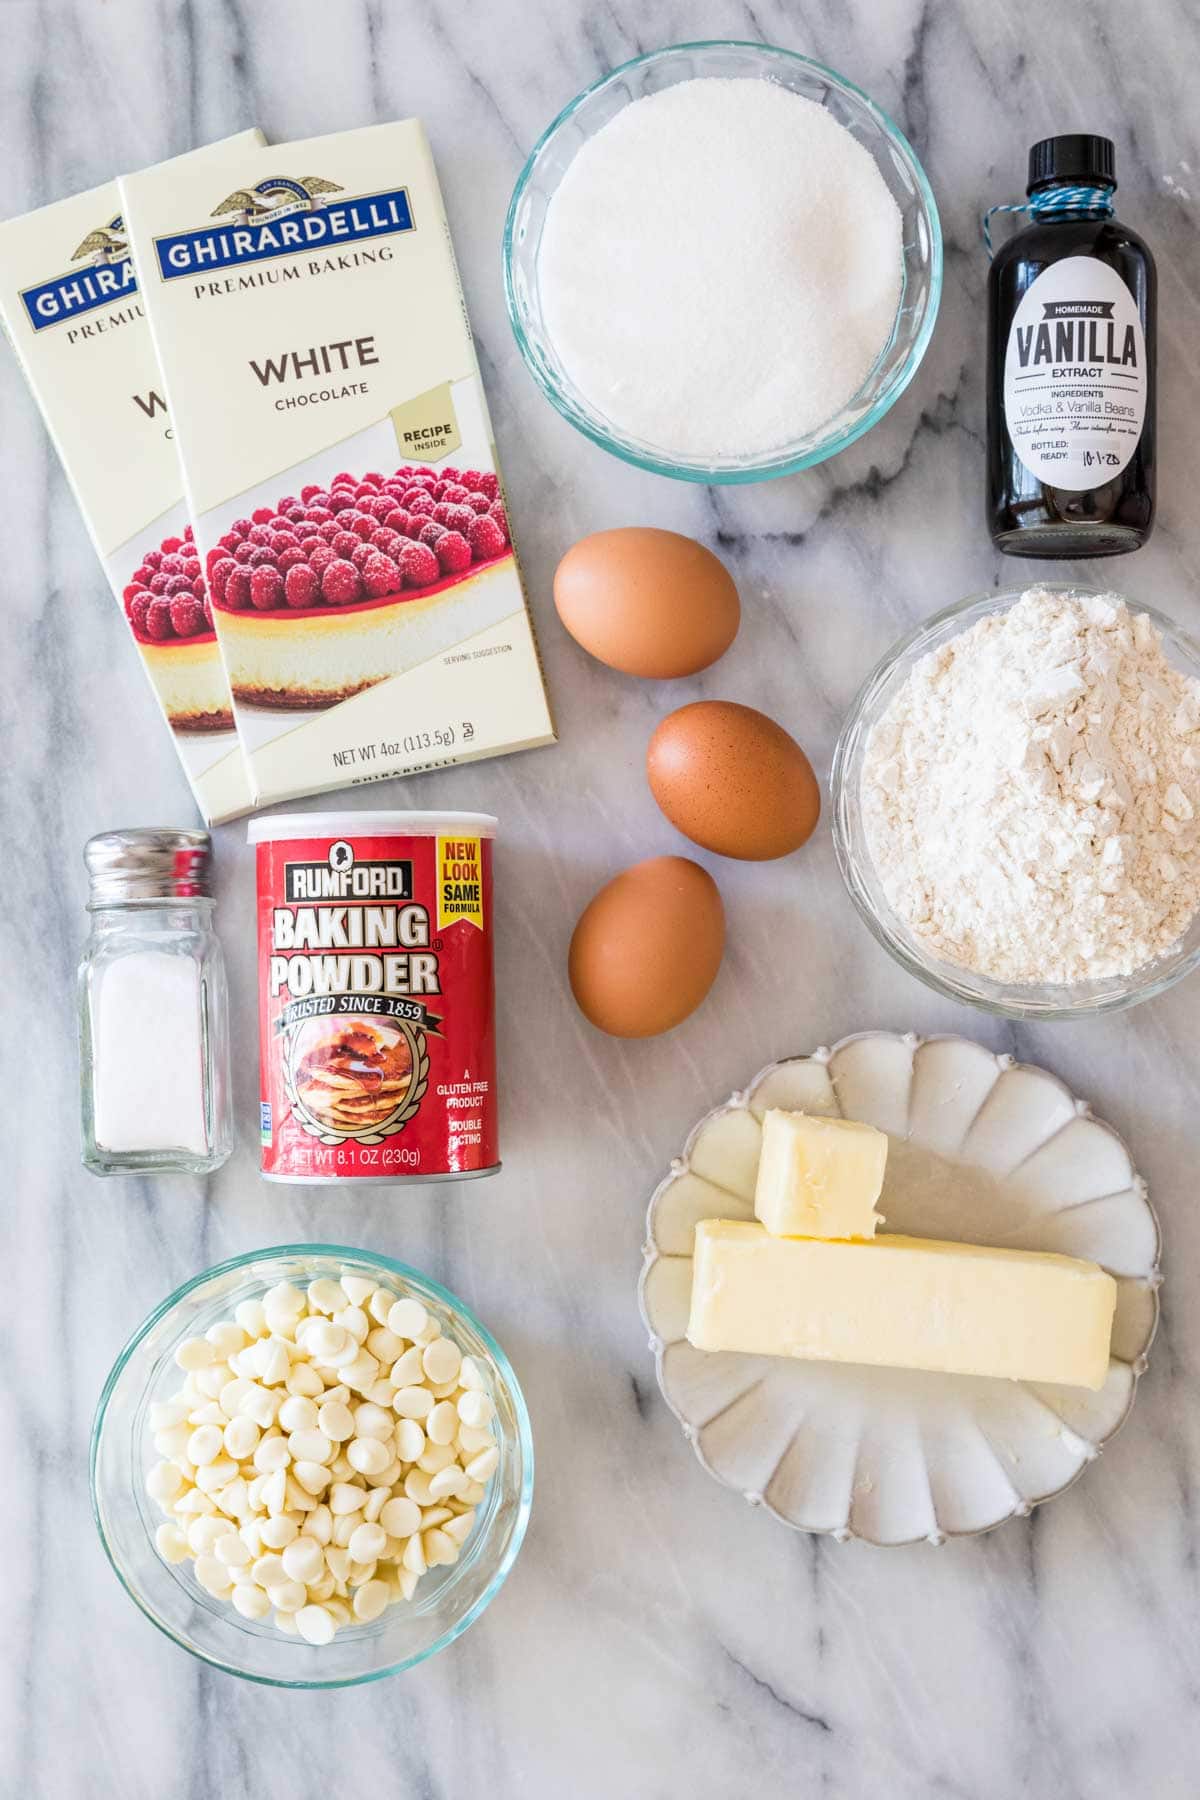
x,y
723,262
1016,802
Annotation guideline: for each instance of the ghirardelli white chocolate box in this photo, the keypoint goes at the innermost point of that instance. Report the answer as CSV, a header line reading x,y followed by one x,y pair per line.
x,y
338,460
70,304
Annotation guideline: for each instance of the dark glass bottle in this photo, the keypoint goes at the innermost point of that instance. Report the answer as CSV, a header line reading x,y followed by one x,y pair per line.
x,y
1071,366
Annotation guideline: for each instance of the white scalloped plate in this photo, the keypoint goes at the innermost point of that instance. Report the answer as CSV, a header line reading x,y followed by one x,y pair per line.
x,y
983,1150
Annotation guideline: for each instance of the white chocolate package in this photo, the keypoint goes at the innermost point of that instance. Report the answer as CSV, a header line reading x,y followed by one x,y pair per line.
x,y
70,305
339,460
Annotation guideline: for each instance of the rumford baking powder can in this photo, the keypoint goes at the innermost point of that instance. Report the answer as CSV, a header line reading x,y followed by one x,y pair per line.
x,y
376,1001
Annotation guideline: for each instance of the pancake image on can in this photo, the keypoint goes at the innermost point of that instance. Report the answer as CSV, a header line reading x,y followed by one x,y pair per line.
x,y
376,1011
353,1078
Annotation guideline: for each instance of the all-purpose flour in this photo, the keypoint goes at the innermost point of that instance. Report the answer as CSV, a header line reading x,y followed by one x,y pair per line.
x,y
1030,796
720,267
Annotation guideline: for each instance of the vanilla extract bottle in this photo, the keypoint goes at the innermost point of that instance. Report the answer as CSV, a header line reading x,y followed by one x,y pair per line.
x,y
1071,365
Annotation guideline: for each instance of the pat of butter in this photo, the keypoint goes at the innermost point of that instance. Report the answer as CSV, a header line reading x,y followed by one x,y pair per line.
x,y
819,1177
901,1302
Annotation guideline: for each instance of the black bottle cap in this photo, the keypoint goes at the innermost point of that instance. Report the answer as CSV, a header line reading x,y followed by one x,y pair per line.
x,y
1077,157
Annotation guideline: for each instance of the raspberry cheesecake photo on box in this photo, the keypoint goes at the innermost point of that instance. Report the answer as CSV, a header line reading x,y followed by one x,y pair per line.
x,y
326,592
169,610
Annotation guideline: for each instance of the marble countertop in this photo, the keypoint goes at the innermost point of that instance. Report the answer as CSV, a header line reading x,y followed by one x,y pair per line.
x,y
657,1639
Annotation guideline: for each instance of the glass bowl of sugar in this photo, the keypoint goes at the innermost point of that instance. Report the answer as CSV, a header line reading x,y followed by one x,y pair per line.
x,y
1001,793
723,262
369,1632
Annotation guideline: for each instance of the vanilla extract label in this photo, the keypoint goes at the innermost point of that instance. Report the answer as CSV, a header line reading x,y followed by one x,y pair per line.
x,y
1075,375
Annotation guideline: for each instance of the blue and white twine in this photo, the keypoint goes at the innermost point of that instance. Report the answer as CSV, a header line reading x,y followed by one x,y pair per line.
x,y
1054,202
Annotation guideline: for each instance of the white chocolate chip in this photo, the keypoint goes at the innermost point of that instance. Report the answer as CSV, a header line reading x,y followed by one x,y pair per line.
x,y
447,1482
171,1543
438,1546
303,1379
319,1525
374,1504
274,1492
416,1403
443,1422
380,1305
385,1345
313,1477
441,1360
250,1601
277,1533
369,1456
400,1517
316,1624
416,1486
344,1497
410,1440
303,1560
336,1420
212,1575
469,1374
297,1413
358,1289
367,1543
272,1454
232,1551
407,1319
354,1320
163,1482
226,1337
326,1295
287,1596
251,1317
241,1437
371,1599
434,1457
204,1445
310,1446
483,1466
459,1528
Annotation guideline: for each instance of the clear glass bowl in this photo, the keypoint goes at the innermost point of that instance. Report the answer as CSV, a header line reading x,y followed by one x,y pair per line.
x,y
1048,1000
447,1599
589,112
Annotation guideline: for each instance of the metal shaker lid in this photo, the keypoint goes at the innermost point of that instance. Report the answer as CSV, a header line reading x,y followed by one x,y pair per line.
x,y
146,863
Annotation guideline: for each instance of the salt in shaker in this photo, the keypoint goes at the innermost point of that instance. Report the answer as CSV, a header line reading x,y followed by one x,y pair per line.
x,y
154,1036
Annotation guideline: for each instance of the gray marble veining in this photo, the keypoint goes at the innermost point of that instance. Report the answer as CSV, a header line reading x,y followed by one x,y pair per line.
x,y
657,1639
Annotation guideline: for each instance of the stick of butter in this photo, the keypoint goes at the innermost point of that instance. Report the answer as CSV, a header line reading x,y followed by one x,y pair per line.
x,y
901,1302
819,1177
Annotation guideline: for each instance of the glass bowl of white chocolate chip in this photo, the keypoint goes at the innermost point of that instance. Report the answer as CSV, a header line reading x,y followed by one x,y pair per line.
x,y
1016,802
312,1467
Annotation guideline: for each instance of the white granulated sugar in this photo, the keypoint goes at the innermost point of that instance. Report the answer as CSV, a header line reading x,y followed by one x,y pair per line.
x,y
720,267
1030,796
148,1054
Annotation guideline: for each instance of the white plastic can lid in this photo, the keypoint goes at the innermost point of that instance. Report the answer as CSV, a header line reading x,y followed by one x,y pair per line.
x,y
282,826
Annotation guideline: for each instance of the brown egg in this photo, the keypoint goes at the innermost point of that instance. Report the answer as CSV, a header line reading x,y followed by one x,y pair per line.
x,y
733,781
647,948
647,602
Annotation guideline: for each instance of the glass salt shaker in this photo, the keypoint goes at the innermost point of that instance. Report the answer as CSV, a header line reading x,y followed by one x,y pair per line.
x,y
154,1031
